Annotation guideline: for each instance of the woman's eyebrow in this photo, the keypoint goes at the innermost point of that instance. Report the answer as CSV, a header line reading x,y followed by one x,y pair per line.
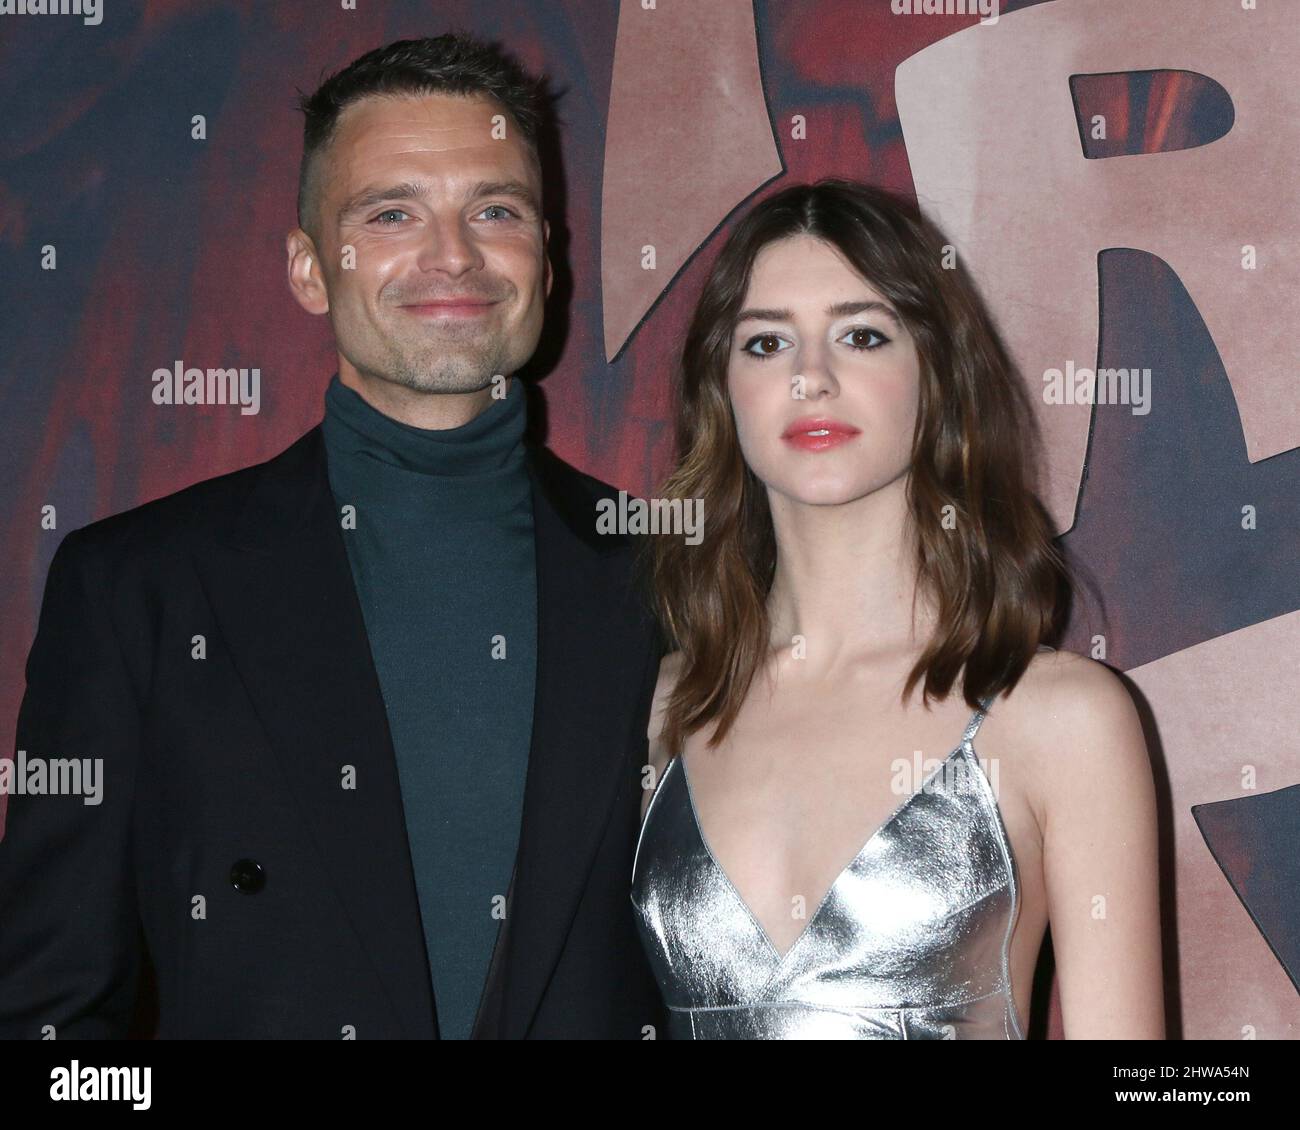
x,y
838,309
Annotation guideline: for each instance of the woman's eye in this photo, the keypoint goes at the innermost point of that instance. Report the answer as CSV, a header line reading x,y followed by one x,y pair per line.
x,y
866,330
769,344
763,340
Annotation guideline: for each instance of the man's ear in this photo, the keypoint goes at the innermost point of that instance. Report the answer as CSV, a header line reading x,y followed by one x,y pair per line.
x,y
306,279
546,258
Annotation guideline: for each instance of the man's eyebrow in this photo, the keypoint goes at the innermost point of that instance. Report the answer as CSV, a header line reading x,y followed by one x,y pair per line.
x,y
406,190
415,190
839,309
513,188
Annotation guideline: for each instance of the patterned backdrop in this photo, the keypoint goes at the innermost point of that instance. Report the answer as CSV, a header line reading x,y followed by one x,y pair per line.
x,y
1120,175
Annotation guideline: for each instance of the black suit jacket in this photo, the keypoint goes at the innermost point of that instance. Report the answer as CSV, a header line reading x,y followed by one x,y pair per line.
x,y
271,900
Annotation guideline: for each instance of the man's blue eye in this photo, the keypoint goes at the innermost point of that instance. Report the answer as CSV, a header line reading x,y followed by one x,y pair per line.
x,y
381,220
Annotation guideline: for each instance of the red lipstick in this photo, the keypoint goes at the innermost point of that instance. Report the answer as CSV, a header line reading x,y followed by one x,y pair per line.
x,y
818,433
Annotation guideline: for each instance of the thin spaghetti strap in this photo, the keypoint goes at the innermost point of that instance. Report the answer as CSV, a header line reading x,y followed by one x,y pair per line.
x,y
972,727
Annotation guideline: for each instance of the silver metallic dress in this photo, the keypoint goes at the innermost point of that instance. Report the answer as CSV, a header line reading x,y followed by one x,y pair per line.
x,y
910,943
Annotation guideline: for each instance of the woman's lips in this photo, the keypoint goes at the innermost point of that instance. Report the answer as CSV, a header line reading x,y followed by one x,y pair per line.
x,y
819,434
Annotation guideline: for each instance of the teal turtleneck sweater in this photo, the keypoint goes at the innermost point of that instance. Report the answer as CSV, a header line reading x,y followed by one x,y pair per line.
x,y
443,558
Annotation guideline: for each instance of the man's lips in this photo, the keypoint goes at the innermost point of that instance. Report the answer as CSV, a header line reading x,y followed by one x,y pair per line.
x,y
450,307
817,433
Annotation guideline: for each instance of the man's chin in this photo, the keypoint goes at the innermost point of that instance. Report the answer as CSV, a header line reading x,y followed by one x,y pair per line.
x,y
440,378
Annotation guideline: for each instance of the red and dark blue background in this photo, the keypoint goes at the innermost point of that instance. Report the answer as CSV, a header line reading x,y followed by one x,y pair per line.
x,y
171,248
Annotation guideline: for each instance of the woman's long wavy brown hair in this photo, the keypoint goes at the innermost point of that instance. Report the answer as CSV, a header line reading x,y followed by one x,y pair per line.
x,y
997,580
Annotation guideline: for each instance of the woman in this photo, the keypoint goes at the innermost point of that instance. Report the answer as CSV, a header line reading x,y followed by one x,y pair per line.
x,y
823,852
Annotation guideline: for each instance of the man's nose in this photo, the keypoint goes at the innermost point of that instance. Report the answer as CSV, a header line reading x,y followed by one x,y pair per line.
x,y
449,246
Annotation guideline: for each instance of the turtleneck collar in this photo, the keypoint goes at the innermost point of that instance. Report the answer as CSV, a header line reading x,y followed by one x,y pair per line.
x,y
476,470
491,442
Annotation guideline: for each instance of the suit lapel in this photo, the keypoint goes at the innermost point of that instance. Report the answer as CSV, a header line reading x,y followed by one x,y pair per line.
x,y
587,679
281,589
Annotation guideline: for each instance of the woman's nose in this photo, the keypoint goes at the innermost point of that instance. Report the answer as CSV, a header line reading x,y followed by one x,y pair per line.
x,y
814,378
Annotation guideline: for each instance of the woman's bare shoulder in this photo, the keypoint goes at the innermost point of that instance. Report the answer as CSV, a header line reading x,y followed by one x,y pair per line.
x,y
1069,710
1064,689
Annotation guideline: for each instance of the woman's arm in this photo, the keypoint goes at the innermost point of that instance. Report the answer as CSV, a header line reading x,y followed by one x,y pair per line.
x,y
1100,857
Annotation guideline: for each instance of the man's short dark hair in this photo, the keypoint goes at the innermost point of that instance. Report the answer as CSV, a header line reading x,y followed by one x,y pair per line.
x,y
454,63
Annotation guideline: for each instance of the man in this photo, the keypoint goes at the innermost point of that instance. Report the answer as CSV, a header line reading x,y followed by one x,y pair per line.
x,y
372,714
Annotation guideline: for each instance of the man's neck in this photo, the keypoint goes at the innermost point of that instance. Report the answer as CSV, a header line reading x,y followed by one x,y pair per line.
x,y
434,411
